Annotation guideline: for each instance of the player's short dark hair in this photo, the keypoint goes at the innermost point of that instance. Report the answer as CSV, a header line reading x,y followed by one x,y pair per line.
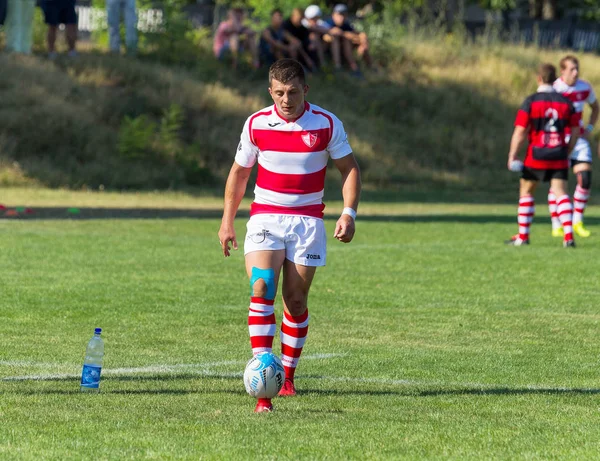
x,y
547,72
569,57
286,70
275,11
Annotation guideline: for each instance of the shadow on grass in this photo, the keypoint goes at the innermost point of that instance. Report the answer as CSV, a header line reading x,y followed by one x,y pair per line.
x,y
87,214
404,390
510,391
500,391
132,391
442,392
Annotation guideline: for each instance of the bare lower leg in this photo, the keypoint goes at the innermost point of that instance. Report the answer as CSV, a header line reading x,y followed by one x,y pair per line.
x,y
234,46
319,49
366,56
336,53
71,36
51,38
251,44
347,47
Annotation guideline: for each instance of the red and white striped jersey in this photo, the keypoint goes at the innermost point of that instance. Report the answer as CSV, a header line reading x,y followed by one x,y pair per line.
x,y
579,94
292,159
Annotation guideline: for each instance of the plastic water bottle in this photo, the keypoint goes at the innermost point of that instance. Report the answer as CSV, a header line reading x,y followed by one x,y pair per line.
x,y
92,365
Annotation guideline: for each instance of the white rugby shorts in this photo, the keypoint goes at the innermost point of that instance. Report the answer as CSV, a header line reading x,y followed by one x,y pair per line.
x,y
582,152
303,238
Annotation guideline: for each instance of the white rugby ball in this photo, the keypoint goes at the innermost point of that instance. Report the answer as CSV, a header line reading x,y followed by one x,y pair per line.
x,y
264,376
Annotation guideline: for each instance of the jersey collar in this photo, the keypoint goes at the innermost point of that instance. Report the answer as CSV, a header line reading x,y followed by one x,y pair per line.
x,y
545,88
306,107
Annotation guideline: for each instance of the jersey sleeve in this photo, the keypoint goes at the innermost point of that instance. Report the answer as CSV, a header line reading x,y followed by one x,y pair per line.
x,y
247,152
575,118
591,99
522,118
523,114
338,146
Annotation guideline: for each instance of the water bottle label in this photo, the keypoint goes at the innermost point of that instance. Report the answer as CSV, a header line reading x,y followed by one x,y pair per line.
x,y
90,376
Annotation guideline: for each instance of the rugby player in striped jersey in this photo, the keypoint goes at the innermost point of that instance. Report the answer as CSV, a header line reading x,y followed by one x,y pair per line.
x,y
291,141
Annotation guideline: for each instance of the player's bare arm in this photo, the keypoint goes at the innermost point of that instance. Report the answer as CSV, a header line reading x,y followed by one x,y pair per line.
x,y
518,138
234,193
595,106
575,134
351,185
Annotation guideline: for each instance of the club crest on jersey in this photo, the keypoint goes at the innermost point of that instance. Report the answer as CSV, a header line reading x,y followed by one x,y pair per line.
x,y
310,139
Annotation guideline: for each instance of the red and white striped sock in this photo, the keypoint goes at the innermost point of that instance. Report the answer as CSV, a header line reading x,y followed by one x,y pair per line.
x,y
293,335
526,211
565,214
553,213
580,199
261,324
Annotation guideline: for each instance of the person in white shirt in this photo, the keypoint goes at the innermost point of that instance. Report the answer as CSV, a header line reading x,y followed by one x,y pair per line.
x,y
580,93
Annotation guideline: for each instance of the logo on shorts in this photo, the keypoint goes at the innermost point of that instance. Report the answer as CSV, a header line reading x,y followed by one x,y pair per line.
x,y
240,146
310,139
309,256
260,237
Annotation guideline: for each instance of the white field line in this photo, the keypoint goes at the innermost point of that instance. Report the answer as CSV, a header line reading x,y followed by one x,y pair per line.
x,y
194,368
26,363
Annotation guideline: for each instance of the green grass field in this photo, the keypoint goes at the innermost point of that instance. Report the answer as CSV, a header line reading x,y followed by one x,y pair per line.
x,y
428,339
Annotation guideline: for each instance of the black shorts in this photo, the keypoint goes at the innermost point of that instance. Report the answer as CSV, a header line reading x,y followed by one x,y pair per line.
x,y
59,12
577,162
531,174
2,11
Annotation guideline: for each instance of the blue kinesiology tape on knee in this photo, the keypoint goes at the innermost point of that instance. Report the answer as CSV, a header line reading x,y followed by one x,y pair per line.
x,y
268,276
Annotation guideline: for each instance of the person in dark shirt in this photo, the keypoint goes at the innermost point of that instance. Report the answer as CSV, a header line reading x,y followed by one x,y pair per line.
x,y
340,26
543,119
311,47
277,43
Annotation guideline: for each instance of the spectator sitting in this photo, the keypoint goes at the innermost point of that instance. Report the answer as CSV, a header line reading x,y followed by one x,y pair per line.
x,y
350,37
231,35
313,48
328,37
277,43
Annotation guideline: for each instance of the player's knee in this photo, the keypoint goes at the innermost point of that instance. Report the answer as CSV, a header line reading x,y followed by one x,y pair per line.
x,y
295,303
259,288
262,283
584,179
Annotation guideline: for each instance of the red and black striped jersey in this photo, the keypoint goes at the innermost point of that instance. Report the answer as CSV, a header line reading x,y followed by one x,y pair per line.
x,y
547,115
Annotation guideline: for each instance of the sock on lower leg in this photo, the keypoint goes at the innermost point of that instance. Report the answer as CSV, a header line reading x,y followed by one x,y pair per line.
x,y
526,211
565,214
580,199
261,324
553,213
294,330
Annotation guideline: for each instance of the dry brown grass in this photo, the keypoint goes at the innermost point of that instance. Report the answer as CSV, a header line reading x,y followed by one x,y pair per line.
x,y
439,118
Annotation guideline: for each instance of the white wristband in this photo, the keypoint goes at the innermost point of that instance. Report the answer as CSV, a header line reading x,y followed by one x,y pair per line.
x,y
350,212
590,128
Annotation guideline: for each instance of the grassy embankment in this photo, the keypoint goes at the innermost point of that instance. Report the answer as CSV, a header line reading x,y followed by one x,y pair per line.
x,y
434,126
